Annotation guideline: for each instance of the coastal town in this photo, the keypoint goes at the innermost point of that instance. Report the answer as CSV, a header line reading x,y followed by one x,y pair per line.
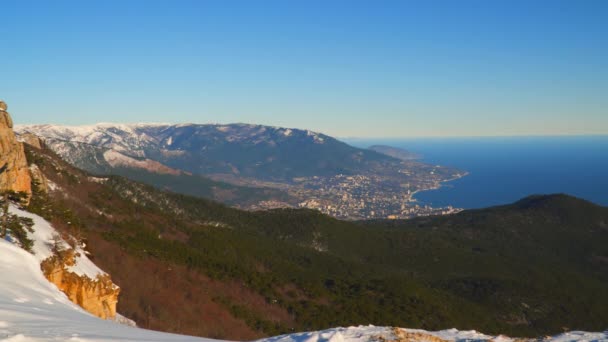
x,y
388,192
368,197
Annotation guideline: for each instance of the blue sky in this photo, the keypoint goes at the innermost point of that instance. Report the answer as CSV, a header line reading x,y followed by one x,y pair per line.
x,y
345,68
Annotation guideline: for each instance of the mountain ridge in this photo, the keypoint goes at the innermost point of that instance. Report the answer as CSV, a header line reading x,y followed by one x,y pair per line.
x,y
260,273
463,270
303,168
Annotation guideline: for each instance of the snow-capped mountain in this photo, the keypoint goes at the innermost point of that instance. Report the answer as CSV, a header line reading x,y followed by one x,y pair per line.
x,y
136,139
244,150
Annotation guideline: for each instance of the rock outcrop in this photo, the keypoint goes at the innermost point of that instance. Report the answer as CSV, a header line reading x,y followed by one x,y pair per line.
x,y
14,172
31,139
39,179
404,335
98,296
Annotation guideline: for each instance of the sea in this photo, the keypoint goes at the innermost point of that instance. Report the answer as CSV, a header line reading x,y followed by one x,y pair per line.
x,y
505,169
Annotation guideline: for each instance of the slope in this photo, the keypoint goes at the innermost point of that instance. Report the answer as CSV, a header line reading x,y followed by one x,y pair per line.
x,y
32,309
256,151
195,266
279,167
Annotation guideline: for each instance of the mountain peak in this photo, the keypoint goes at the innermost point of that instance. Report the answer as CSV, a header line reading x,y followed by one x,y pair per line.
x,y
551,201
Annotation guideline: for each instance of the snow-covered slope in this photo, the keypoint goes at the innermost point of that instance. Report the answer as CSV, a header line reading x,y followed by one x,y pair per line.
x,y
42,237
32,309
136,139
242,149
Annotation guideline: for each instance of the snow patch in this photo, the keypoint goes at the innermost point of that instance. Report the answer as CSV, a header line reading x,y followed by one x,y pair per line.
x,y
52,185
43,236
99,180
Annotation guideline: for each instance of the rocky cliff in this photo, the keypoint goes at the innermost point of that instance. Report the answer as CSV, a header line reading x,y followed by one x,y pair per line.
x,y
98,296
14,173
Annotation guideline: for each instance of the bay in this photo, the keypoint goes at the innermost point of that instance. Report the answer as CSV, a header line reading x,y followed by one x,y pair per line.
x,y
505,169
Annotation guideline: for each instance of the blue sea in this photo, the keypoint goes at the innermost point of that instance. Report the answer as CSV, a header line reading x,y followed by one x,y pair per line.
x,y
505,169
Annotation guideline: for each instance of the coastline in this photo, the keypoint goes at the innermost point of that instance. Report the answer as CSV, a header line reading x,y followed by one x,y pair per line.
x,y
438,186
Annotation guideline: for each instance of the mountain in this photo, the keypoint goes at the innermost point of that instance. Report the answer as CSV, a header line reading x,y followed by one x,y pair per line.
x,y
193,266
101,160
395,152
267,167
254,151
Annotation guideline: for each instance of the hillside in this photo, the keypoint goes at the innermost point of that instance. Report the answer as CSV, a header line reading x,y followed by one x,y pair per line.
x,y
101,160
194,266
32,309
250,151
267,167
395,152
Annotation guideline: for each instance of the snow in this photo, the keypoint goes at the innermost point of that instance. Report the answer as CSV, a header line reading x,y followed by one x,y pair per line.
x,y
582,336
372,333
43,241
52,185
99,180
33,310
360,333
454,334
117,159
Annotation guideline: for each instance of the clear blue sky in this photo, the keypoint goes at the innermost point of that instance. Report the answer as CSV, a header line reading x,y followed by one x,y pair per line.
x,y
346,68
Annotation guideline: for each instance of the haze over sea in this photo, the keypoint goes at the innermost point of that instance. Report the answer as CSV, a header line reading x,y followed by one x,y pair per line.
x,y
505,169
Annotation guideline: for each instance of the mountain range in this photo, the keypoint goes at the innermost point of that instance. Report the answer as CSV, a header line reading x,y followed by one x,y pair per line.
x,y
250,151
249,166
134,253
193,266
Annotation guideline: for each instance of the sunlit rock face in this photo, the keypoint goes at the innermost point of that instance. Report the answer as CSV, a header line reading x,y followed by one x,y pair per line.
x,y
98,296
31,139
14,172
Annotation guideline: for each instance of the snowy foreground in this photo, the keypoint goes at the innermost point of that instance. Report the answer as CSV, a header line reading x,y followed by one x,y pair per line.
x,y
32,309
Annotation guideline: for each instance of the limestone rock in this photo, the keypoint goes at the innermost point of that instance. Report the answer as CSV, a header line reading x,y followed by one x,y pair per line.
x,y
31,139
98,296
14,173
403,335
39,178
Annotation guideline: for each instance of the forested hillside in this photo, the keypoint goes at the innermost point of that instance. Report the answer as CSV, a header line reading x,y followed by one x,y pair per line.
x,y
194,266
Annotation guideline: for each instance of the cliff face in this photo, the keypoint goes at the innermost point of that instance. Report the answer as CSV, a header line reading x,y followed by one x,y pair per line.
x,y
98,296
14,173
31,139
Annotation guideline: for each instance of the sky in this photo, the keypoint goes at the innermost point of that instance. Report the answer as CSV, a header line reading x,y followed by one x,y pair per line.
x,y
345,68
